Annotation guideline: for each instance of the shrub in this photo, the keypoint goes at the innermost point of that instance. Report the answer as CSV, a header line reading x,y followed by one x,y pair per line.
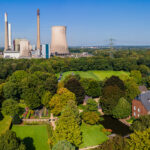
x,y
91,117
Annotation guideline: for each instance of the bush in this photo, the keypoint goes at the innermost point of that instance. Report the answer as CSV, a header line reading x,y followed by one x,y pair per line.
x,y
63,145
16,120
91,117
91,105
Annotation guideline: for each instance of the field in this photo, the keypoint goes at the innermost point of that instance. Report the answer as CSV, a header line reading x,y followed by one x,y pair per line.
x,y
97,75
34,136
92,135
5,124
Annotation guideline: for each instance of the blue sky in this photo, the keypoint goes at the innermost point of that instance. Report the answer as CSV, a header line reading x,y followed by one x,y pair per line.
x,y
89,22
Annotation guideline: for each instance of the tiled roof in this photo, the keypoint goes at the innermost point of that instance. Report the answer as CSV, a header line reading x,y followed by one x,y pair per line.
x,y
142,88
145,99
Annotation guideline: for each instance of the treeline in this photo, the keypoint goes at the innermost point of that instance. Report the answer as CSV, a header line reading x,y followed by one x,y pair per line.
x,y
57,65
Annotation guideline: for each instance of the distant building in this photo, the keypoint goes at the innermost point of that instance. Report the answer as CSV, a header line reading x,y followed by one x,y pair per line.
x,y
24,48
45,51
11,54
141,104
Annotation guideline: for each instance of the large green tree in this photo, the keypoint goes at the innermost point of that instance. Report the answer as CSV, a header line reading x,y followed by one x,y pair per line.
x,y
122,109
92,87
60,100
34,87
132,89
112,91
10,107
67,128
136,75
115,143
139,140
9,141
141,123
74,86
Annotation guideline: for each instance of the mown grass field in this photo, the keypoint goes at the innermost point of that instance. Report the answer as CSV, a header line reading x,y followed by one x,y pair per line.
x,y
34,136
97,75
5,124
92,135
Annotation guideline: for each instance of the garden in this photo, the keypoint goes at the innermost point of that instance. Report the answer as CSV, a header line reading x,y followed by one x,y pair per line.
x,y
35,137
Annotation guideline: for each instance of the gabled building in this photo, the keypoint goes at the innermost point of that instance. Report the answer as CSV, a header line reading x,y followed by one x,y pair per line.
x,y
141,104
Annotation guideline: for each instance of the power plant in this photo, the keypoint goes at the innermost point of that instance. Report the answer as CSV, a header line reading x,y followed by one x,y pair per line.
x,y
9,35
38,30
6,32
58,41
21,47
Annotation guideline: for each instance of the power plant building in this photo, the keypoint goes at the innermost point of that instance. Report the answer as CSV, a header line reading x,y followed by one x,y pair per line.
x,y
25,48
59,44
45,51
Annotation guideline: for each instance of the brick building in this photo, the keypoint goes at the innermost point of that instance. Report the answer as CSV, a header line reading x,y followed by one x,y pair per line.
x,y
141,104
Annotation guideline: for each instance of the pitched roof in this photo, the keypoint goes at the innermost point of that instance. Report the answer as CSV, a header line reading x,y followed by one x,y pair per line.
x,y
142,88
145,99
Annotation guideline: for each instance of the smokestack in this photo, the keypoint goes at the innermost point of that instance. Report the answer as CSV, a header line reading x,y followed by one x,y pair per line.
x,y
58,41
9,33
6,32
38,29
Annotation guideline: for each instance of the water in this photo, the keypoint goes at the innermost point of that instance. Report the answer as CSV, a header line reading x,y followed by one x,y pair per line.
x,y
115,125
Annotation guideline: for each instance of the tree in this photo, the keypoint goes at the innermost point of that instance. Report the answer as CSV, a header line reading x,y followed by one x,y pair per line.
x,y
92,87
122,109
115,143
60,100
141,123
46,98
139,140
132,89
67,128
9,141
63,145
16,119
90,117
136,75
10,107
114,80
12,88
1,93
35,85
74,86
110,98
144,70
91,105
112,91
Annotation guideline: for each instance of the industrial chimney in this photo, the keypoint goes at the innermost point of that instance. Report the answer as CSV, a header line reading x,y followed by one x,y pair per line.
x,y
38,29
6,32
9,35
58,41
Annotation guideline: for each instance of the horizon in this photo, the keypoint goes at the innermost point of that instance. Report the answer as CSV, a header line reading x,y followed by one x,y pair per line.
x,y
91,23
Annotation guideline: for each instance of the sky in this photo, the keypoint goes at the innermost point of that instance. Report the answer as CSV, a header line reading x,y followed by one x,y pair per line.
x,y
89,22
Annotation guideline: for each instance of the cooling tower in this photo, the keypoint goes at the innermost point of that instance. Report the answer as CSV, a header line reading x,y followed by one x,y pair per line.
x,y
58,41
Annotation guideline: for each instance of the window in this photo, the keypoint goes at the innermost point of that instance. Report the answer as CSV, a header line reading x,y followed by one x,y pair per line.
x,y
134,107
134,113
139,110
138,115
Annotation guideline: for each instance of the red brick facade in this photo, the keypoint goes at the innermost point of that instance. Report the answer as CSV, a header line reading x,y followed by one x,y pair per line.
x,y
138,109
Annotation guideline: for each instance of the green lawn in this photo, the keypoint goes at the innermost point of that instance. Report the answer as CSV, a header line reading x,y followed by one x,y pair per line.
x,y
5,124
92,135
34,136
97,75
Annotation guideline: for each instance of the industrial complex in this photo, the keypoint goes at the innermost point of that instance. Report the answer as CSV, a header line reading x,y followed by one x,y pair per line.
x,y
21,48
